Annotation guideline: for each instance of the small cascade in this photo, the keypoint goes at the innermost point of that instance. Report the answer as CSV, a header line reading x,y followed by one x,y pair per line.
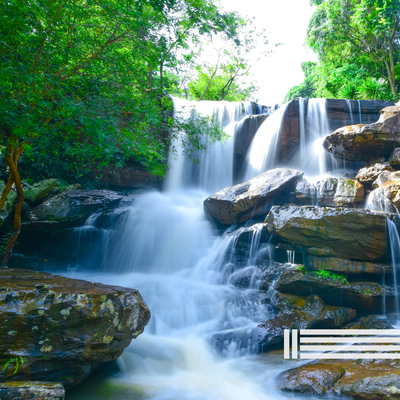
x,y
348,102
215,168
262,153
377,201
394,242
359,111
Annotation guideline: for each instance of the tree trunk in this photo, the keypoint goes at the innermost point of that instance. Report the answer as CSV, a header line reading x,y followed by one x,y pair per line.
x,y
162,76
12,163
209,83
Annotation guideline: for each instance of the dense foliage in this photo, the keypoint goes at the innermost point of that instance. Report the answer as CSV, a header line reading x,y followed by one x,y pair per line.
x,y
357,43
85,83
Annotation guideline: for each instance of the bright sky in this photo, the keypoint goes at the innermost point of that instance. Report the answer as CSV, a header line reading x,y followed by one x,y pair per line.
x,y
286,22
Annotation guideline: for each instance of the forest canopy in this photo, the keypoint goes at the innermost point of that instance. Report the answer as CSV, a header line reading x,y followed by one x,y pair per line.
x,y
85,84
357,44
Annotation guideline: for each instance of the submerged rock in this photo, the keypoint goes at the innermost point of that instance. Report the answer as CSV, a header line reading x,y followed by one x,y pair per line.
x,y
252,198
64,329
368,379
32,390
369,175
365,297
332,232
330,192
69,209
363,142
294,312
345,266
389,185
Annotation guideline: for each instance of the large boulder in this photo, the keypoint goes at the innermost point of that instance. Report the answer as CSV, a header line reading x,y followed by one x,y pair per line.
x,y
365,142
69,209
63,329
39,191
295,312
369,175
330,192
332,232
32,390
365,297
389,184
368,379
394,159
252,198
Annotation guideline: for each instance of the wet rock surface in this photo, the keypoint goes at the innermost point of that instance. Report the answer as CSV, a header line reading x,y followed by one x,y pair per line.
x,y
365,297
40,191
64,329
369,175
32,390
330,192
253,198
334,232
295,312
367,379
69,209
389,185
345,266
363,142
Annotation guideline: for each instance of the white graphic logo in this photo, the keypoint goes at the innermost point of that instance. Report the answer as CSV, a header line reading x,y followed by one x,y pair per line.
x,y
339,344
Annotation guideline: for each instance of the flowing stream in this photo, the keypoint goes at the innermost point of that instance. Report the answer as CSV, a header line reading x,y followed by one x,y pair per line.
x,y
198,344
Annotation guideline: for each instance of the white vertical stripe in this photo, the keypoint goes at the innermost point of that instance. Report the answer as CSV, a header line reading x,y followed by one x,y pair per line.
x,y
294,344
286,336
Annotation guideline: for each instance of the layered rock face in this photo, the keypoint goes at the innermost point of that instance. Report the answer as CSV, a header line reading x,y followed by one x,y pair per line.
x,y
253,198
334,232
63,329
32,390
365,142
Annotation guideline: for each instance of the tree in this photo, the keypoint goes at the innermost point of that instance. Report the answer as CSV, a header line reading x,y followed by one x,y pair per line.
x,y
307,88
363,32
73,81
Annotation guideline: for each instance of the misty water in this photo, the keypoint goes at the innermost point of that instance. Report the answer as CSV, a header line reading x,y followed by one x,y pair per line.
x,y
198,344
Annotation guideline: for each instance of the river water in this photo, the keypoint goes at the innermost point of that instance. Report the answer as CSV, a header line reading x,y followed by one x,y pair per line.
x,y
198,344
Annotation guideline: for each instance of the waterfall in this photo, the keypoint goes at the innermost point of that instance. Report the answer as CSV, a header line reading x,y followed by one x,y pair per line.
x,y
262,153
359,110
348,102
394,242
215,168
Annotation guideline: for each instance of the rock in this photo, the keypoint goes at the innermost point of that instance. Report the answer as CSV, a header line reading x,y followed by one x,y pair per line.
x,y
295,312
32,390
248,200
317,378
370,379
330,192
245,278
365,297
131,175
369,175
40,191
345,266
394,159
69,209
332,232
371,322
255,233
363,142
64,329
389,184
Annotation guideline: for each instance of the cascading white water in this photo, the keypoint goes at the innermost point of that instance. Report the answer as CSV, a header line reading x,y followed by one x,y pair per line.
x,y
262,153
350,112
215,169
202,315
394,242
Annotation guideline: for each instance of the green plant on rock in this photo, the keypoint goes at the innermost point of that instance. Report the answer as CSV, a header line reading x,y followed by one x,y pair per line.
x,y
17,360
331,275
